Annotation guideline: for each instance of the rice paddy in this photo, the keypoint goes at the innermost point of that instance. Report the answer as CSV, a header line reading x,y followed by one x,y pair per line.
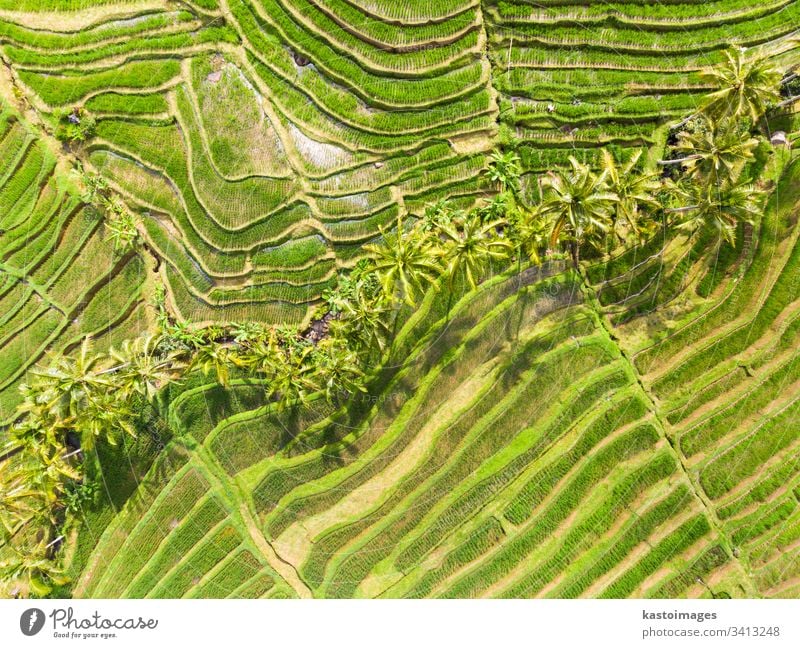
x,y
623,427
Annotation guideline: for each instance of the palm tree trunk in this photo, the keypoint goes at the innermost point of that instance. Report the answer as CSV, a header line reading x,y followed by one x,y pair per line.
x,y
575,252
688,158
685,121
788,101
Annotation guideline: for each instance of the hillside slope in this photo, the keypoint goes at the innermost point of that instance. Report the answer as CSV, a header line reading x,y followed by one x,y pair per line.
x,y
60,278
263,142
628,429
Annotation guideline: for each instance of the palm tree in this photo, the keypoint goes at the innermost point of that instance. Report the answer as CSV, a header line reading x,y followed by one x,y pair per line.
x,y
141,368
720,207
20,499
74,393
745,86
39,473
636,194
529,233
580,205
51,470
405,262
365,319
339,369
469,249
107,415
213,357
716,152
263,355
33,572
66,385
295,377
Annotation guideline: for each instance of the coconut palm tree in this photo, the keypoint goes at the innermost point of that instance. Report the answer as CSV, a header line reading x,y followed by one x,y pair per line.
x,y
32,572
745,86
636,194
717,152
529,233
141,368
75,393
40,473
339,369
579,204
365,319
182,333
20,499
263,355
406,262
215,358
68,383
469,249
295,377
107,415
51,470
720,207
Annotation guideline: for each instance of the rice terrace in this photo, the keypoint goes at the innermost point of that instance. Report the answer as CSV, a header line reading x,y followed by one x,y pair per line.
x,y
382,299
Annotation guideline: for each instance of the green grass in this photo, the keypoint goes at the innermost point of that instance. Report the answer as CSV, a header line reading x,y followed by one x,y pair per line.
x,y
174,505
710,559
137,104
207,513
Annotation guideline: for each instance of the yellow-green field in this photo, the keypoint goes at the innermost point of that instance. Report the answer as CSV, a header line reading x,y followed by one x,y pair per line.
x,y
628,428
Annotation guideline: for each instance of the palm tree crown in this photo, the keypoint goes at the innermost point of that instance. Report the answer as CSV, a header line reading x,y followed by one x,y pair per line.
x,y
405,263
469,248
635,191
579,204
720,207
745,86
716,152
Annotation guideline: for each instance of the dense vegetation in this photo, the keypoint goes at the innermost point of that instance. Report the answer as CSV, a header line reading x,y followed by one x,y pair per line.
x,y
328,299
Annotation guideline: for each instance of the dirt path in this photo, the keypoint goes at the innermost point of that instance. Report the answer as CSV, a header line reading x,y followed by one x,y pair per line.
x,y
238,498
286,570
685,470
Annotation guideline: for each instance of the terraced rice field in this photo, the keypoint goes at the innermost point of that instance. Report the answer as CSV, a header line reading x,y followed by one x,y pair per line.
x,y
265,142
60,277
573,77
530,447
627,431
